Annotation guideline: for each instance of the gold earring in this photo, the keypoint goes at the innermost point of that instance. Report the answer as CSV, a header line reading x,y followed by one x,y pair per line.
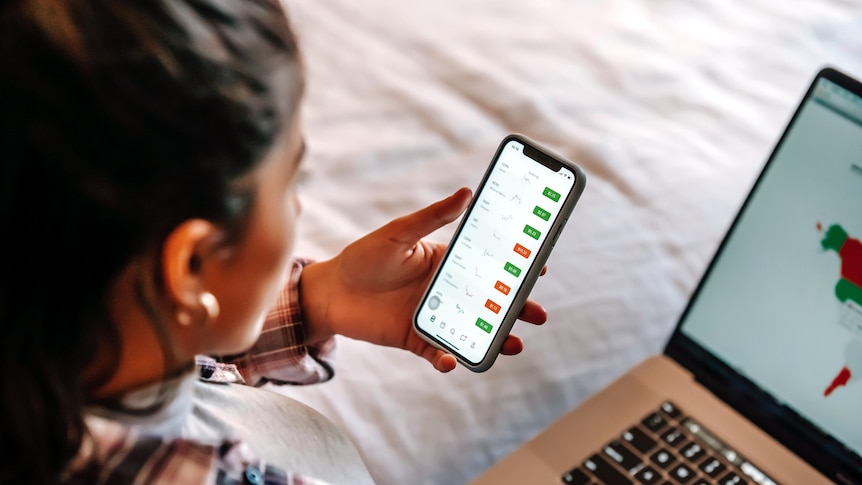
x,y
211,306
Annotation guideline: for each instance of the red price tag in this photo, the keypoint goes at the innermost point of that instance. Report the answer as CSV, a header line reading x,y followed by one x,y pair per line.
x,y
490,305
522,251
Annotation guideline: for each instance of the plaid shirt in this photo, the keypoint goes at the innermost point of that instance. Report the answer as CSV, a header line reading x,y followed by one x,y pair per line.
x,y
116,454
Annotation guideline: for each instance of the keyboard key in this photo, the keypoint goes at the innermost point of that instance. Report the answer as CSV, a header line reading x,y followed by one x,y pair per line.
x,y
662,458
648,476
654,422
605,472
692,452
712,467
732,479
682,474
664,449
576,477
618,452
668,408
639,440
673,437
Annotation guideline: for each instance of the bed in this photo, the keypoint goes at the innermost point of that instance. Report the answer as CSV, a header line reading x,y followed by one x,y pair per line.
x,y
669,105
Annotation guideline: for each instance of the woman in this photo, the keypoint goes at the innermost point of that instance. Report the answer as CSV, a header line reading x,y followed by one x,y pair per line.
x,y
149,153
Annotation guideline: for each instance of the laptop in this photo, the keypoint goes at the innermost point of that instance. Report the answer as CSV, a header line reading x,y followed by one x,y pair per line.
x,y
761,381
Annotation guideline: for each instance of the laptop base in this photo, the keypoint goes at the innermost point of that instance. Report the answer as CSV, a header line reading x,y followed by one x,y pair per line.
x,y
587,429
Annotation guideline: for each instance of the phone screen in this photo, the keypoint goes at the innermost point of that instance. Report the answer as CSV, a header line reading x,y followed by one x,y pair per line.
x,y
509,221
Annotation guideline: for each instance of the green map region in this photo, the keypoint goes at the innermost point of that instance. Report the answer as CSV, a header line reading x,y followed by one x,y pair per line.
x,y
848,288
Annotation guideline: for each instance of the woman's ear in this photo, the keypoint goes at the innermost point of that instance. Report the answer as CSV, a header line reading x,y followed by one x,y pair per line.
x,y
184,253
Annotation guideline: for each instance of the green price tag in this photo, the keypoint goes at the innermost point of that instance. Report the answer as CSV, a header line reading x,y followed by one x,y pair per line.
x,y
485,326
551,194
513,270
542,213
532,232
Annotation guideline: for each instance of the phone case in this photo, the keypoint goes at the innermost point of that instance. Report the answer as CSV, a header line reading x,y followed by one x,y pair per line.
x,y
540,259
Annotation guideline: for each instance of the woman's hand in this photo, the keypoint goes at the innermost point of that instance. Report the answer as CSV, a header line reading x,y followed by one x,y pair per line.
x,y
370,291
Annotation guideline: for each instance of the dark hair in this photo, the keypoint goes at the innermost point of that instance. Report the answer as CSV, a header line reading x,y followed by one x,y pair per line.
x,y
120,121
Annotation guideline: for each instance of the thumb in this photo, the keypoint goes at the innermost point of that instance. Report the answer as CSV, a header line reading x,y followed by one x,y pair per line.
x,y
411,228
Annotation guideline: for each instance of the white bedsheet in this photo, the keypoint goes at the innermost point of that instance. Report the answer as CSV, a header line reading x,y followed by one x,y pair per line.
x,y
670,106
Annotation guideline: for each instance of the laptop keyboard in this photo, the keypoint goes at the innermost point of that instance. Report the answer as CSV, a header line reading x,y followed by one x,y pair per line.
x,y
666,447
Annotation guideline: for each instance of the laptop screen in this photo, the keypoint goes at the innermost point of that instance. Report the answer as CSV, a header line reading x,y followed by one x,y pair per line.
x,y
781,304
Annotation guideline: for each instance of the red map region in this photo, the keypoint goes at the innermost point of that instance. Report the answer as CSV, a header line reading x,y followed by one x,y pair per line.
x,y
840,380
851,272
851,261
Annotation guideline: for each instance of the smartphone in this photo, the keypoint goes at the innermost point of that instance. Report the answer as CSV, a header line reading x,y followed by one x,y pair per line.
x,y
498,251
